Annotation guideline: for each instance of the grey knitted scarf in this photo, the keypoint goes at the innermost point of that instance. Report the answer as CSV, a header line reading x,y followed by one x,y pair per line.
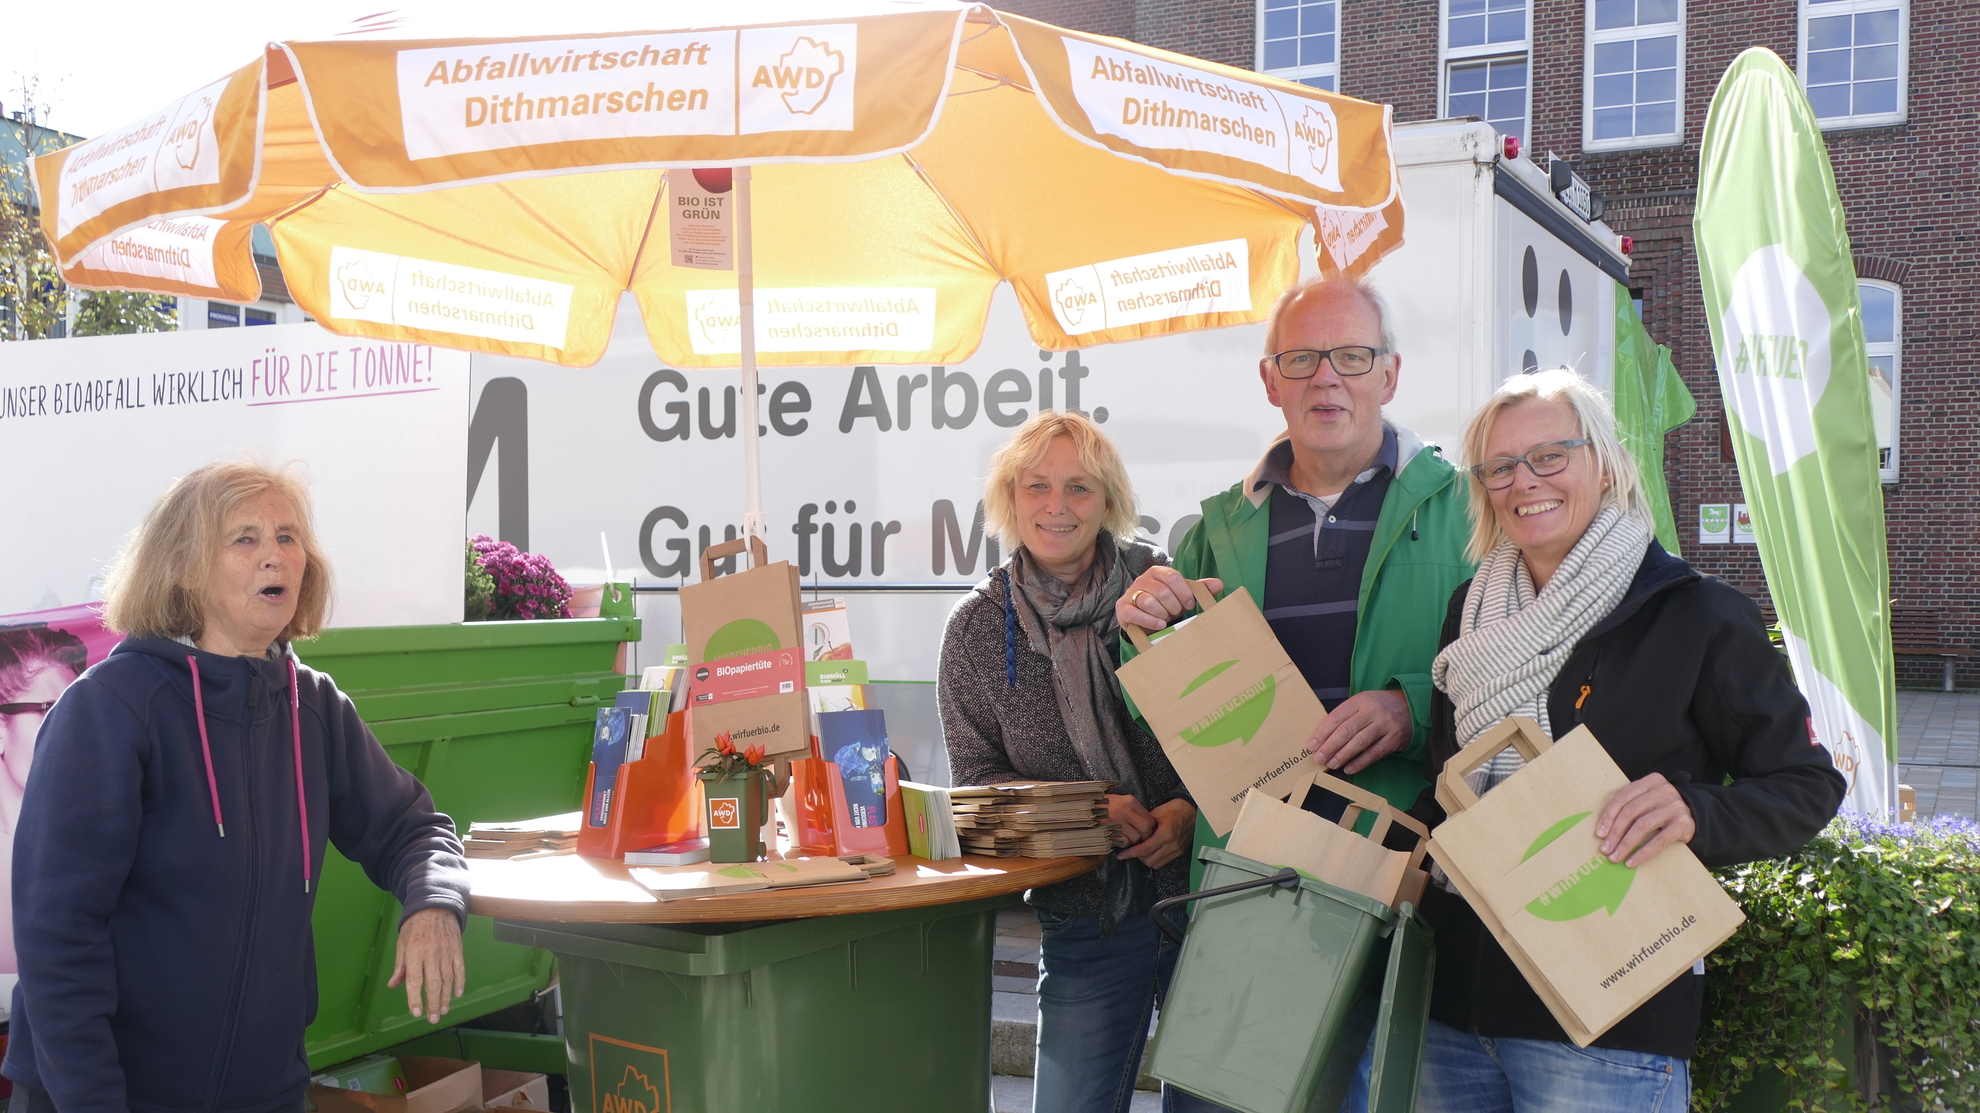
x,y
1074,625
1512,641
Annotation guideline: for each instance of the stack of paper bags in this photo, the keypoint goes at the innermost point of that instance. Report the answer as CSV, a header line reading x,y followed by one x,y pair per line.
x,y
1279,834
931,821
1041,819
1594,938
684,882
524,838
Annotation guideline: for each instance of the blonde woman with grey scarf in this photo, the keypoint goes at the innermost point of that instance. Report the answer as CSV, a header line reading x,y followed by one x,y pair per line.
x,y
1578,617
1027,692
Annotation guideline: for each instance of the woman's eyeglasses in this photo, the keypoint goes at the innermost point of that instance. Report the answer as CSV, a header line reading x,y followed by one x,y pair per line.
x,y
26,708
1551,458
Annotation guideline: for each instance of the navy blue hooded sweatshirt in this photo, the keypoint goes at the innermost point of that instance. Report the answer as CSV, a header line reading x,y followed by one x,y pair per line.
x,y
164,968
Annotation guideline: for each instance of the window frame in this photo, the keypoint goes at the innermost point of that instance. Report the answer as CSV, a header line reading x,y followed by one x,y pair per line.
x,y
1852,7
1895,349
1486,52
1297,74
1590,38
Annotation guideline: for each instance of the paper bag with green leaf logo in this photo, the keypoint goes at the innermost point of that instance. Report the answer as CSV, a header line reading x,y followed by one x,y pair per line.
x,y
1594,938
744,616
1230,708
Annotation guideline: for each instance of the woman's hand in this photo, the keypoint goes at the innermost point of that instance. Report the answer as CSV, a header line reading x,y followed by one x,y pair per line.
x,y
430,962
1158,595
1644,816
1175,829
1134,819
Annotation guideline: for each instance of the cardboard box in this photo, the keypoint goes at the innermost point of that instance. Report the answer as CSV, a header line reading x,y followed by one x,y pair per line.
x,y
433,1086
1279,834
1594,938
1230,708
742,614
514,1089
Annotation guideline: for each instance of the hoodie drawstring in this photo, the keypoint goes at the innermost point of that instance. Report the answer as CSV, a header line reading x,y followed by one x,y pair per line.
x,y
205,747
302,802
295,730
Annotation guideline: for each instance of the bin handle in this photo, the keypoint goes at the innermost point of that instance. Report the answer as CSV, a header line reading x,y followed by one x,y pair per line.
x,y
1284,879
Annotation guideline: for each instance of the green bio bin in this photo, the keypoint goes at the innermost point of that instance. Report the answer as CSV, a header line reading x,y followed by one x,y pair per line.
x,y
1279,987
833,1014
495,718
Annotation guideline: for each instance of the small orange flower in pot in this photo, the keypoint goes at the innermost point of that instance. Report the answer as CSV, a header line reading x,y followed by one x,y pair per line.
x,y
736,787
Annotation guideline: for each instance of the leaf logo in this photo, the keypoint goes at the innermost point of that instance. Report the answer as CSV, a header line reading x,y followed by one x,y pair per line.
x,y
743,636
1236,719
805,73
1596,883
634,1095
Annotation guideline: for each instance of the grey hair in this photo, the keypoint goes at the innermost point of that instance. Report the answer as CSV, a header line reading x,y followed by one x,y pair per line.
x,y
1368,294
1598,423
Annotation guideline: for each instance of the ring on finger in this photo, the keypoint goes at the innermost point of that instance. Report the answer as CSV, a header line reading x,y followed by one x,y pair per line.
x,y
1137,592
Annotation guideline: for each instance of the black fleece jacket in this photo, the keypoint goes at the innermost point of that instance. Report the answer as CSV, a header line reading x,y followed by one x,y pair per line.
x,y
1679,679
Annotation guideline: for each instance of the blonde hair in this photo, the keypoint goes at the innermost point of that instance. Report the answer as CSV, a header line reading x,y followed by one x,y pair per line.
x,y
1029,445
155,586
1598,424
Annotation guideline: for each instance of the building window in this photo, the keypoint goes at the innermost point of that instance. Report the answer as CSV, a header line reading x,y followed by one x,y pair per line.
x,y
1634,71
1883,337
258,317
1853,57
222,316
1484,46
1299,40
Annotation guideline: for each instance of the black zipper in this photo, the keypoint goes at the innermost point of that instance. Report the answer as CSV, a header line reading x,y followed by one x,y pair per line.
x,y
249,764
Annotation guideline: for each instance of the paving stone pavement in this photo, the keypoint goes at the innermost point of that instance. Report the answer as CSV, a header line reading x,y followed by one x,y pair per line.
x,y
1939,751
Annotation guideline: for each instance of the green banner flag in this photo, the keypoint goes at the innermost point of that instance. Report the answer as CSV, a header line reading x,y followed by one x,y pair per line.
x,y
1780,294
1651,400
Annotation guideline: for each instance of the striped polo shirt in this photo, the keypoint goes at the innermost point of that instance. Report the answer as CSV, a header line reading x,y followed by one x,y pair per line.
x,y
1313,567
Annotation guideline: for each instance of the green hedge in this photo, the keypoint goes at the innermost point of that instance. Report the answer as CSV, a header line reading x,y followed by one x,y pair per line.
x,y
1873,918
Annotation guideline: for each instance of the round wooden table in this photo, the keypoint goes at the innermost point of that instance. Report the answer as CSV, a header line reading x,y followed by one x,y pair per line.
x,y
848,998
568,888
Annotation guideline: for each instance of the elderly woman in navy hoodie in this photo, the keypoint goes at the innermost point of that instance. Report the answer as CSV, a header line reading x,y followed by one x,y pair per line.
x,y
173,832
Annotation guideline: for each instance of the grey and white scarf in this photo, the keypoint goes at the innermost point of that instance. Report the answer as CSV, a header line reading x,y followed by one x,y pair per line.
x,y
1512,641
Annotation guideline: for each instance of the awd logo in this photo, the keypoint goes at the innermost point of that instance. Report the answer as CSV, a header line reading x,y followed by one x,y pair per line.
x,y
356,285
1596,883
804,75
628,1077
1236,719
185,137
1072,299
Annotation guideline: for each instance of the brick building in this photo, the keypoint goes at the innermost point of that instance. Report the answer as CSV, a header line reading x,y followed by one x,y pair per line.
x,y
1620,88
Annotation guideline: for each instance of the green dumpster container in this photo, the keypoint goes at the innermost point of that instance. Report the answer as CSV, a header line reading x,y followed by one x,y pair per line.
x,y
495,718
856,1013
1280,986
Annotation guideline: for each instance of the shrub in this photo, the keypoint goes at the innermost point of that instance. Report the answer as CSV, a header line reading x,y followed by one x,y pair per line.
x,y
480,601
1869,917
526,585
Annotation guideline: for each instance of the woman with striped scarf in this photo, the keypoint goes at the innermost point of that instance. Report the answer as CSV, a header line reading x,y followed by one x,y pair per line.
x,y
1577,616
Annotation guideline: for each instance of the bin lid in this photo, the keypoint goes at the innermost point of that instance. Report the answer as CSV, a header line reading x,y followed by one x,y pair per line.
x,y
1216,855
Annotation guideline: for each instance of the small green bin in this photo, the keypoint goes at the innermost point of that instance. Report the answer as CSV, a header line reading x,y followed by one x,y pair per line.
x,y
495,718
1279,987
856,1013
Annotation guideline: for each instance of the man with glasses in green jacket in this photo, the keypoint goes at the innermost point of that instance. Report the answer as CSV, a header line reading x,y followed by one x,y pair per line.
x,y
1350,535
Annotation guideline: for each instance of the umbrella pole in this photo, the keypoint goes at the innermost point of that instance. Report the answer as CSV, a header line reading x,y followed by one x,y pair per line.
x,y
753,524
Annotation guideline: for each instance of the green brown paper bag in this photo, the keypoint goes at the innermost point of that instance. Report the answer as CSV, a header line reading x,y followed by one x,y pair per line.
x,y
1230,708
743,613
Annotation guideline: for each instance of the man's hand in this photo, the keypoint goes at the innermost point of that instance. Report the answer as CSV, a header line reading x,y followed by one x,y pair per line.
x,y
430,962
1175,829
1364,729
1134,819
1644,816
1158,595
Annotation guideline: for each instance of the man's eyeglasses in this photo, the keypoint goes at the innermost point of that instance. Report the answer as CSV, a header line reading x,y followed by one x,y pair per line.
x,y
1552,458
1348,360
26,708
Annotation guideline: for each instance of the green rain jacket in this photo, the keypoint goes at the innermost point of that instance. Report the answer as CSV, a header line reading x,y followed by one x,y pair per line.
x,y
1415,562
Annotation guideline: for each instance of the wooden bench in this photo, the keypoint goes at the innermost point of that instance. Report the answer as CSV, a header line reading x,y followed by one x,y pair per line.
x,y
1918,632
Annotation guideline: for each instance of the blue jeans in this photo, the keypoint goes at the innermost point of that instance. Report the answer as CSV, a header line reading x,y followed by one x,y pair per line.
x,y
1463,1073
1095,998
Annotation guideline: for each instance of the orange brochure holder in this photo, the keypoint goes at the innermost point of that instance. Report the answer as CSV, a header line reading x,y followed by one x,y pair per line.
x,y
825,822
657,799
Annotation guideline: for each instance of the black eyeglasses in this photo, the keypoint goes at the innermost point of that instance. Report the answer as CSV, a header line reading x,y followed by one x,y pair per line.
x,y
26,708
1551,458
1349,360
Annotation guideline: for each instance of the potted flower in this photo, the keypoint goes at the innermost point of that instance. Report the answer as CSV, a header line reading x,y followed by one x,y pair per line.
x,y
736,786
